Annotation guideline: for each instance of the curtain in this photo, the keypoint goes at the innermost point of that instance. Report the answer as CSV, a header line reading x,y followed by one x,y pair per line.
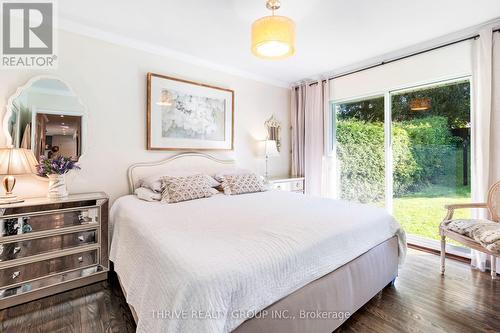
x,y
485,126
310,104
297,119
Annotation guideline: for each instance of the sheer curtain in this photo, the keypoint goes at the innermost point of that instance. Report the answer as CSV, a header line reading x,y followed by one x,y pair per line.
x,y
485,125
310,103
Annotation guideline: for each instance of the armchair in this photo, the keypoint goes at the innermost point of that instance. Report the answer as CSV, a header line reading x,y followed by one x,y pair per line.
x,y
466,231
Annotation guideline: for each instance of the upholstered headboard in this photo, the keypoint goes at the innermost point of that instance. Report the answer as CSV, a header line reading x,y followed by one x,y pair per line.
x,y
195,162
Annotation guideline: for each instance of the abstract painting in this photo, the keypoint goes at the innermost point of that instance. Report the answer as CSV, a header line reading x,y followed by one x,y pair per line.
x,y
185,115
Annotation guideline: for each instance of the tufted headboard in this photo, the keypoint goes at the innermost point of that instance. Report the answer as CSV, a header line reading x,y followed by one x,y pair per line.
x,y
196,162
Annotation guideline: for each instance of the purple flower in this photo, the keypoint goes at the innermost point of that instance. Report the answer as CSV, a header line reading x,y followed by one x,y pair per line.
x,y
58,165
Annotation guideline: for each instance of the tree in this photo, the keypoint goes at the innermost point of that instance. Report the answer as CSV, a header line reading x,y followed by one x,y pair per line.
x,y
451,101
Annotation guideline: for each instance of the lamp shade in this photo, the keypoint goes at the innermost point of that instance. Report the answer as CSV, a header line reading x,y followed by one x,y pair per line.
x,y
420,104
17,161
271,148
273,37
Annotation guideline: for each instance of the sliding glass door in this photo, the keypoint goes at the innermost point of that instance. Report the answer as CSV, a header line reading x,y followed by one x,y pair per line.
x,y
408,149
431,154
359,134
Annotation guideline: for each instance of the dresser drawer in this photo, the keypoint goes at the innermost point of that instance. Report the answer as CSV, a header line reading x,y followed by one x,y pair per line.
x,y
42,222
27,248
294,185
21,273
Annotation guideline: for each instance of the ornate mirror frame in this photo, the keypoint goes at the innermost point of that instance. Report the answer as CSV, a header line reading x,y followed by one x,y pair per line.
x,y
27,85
274,131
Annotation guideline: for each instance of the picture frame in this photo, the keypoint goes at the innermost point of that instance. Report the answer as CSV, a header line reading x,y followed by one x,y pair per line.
x,y
187,115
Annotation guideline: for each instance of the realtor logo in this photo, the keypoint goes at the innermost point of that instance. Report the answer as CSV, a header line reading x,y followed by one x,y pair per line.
x,y
28,34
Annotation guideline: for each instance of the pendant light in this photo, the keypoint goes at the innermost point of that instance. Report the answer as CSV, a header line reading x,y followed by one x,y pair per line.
x,y
273,37
420,104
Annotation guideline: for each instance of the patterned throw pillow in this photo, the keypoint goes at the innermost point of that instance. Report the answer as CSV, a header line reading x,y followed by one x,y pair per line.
x,y
239,184
177,189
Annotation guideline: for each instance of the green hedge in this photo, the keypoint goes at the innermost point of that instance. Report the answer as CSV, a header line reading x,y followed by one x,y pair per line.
x,y
421,149
432,146
360,154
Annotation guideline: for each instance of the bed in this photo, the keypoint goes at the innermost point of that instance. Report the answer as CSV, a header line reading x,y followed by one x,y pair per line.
x,y
261,262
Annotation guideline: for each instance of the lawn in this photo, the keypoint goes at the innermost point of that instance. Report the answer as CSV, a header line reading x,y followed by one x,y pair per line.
x,y
420,213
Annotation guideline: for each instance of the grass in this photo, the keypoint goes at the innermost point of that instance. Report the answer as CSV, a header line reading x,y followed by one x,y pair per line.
x,y
420,213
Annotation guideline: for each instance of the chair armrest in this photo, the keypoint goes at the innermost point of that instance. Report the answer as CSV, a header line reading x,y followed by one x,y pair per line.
x,y
451,209
466,205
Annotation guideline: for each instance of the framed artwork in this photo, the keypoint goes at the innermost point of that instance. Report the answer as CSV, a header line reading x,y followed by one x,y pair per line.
x,y
185,115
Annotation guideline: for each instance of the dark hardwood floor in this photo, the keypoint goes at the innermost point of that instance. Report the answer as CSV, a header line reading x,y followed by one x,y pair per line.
x,y
421,301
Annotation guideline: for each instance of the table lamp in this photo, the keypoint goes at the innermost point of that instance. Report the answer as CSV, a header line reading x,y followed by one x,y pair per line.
x,y
15,161
271,150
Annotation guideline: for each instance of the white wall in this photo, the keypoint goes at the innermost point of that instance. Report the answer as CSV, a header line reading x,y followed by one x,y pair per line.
x,y
111,81
66,144
441,64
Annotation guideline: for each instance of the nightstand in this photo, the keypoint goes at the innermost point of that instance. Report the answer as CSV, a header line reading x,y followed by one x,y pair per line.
x,y
48,246
290,184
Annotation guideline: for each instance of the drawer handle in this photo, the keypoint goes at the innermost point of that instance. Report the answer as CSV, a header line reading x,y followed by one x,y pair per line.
x,y
84,219
278,187
80,259
15,275
81,238
17,249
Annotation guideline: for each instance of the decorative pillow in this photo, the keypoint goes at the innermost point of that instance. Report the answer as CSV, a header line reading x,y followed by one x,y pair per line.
x,y
231,172
147,194
155,183
177,189
243,183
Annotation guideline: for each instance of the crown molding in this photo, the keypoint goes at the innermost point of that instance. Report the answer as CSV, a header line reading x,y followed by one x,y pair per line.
x,y
117,39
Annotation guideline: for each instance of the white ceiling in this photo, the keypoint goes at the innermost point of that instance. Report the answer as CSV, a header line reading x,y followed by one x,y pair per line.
x,y
331,34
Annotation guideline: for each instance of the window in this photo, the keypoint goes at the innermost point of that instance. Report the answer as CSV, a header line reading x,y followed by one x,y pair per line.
x,y
359,135
408,150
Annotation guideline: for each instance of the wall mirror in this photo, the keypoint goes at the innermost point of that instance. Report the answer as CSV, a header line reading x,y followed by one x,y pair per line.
x,y
46,116
274,131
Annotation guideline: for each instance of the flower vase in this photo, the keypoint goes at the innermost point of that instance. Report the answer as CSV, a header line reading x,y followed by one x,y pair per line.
x,y
57,187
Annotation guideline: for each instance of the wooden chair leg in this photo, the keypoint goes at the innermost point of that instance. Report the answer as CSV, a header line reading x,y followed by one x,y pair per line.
x,y
443,253
493,267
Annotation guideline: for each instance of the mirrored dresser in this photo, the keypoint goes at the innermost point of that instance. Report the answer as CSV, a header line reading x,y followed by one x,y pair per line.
x,y
49,246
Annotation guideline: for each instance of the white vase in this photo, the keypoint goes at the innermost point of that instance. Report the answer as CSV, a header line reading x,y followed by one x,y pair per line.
x,y
57,187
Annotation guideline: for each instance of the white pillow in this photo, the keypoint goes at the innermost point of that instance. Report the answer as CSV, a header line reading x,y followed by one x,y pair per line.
x,y
155,182
147,194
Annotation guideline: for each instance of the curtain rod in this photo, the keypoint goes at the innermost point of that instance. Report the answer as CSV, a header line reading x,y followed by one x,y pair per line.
x,y
385,62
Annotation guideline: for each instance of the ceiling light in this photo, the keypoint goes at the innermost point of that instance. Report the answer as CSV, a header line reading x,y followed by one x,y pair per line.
x,y
420,104
273,37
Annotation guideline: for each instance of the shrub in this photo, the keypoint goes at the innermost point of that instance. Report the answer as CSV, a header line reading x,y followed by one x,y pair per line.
x,y
432,146
360,153
403,161
422,150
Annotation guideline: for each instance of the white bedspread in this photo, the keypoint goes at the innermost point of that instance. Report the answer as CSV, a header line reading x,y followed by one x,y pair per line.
x,y
206,265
